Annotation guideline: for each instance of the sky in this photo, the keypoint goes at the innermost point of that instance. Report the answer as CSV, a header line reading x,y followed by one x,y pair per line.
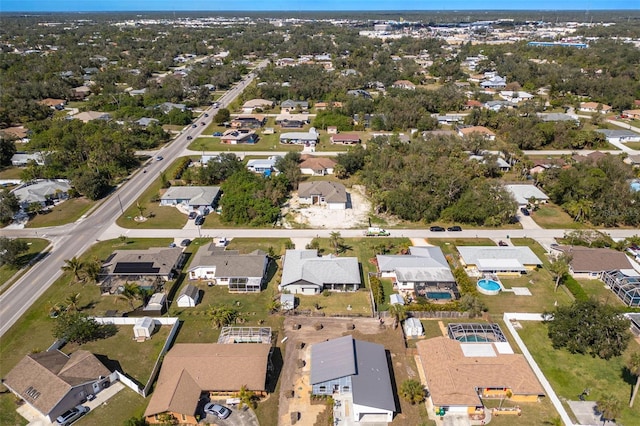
x,y
306,5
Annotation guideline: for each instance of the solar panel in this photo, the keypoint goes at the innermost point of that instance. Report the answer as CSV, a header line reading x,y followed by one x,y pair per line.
x,y
135,268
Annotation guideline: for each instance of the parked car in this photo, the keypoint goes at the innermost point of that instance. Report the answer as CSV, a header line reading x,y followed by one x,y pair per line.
x,y
193,215
206,115
217,410
455,228
199,220
502,243
217,134
172,245
524,211
185,242
72,415
189,138
436,229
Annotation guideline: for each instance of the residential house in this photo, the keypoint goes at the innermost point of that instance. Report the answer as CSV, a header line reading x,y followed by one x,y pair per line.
x,y
80,93
508,260
356,373
595,107
241,273
146,121
634,160
403,84
321,106
191,369
345,139
460,374
360,93
292,121
239,136
192,198
500,163
248,121
557,116
323,193
249,106
363,120
290,105
466,132
18,133
422,272
472,103
138,92
149,268
166,107
43,191
52,382
189,296
304,272
497,105
523,193
495,82
57,104
317,166
21,159
516,96
587,262
264,166
622,135
592,157
309,138
88,116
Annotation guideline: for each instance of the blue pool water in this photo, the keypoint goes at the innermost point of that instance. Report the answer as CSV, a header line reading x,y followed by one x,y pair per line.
x,y
489,285
437,295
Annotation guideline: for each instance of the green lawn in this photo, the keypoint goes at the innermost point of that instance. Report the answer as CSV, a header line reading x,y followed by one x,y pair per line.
x,y
633,145
265,143
124,405
61,214
11,173
570,374
349,303
36,246
8,413
158,217
550,216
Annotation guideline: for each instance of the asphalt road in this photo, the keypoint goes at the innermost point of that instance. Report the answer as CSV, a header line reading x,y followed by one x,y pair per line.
x,y
73,239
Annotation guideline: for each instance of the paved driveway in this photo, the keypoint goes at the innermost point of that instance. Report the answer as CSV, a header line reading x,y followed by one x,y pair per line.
x,y
239,417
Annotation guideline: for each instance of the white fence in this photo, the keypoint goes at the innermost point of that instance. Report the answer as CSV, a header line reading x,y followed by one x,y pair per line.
x,y
132,320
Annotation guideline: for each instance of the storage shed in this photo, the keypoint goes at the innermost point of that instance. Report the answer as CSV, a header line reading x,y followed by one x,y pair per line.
x,y
156,303
143,328
287,302
413,328
396,299
189,296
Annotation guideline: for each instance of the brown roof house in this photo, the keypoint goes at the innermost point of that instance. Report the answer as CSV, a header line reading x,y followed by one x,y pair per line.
x,y
52,382
460,374
317,166
589,262
345,139
479,130
189,369
323,193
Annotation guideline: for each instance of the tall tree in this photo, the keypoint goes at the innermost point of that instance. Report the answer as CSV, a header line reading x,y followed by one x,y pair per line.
x,y
633,364
10,250
609,406
72,302
398,312
335,239
247,397
130,293
9,206
413,391
74,265
559,267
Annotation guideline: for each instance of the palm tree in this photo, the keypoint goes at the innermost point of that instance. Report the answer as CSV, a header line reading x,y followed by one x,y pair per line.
x,y
273,306
335,239
610,407
247,397
222,315
398,312
130,292
75,266
91,270
141,209
413,391
72,302
559,268
633,364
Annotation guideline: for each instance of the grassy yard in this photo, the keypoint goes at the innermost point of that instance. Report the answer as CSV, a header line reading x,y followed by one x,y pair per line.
x,y
550,216
36,246
265,143
63,213
352,303
158,217
570,374
633,145
8,413
124,405
11,173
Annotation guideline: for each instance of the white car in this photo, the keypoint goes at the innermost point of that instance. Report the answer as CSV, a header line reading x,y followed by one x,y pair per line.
x,y
72,415
217,410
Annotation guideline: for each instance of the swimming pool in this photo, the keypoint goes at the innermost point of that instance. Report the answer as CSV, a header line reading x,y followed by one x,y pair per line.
x,y
438,295
488,287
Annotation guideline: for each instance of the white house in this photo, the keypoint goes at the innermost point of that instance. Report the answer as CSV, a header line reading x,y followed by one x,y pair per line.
x,y
192,198
317,166
303,271
309,138
513,260
323,193
515,96
522,193
189,296
621,135
263,165
21,159
42,191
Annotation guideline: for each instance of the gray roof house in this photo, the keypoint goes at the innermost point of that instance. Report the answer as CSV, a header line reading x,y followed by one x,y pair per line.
x,y
42,191
303,271
52,382
241,273
21,159
424,272
192,197
145,121
522,193
324,193
356,373
498,260
621,135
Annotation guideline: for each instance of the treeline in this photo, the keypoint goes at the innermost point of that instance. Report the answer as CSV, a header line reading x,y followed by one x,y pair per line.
x,y
596,192
429,180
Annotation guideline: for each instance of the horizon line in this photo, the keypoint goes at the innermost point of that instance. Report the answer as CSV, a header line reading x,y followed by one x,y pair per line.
x,y
360,11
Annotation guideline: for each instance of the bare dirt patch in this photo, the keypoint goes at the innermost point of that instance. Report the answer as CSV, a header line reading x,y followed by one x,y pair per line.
x,y
355,216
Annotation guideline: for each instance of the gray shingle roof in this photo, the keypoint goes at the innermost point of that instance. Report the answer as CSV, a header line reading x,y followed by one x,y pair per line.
x,y
332,192
197,195
306,265
230,263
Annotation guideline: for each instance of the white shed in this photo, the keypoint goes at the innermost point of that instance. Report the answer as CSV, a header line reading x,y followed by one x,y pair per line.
x,y
413,327
287,302
189,296
156,303
396,299
143,328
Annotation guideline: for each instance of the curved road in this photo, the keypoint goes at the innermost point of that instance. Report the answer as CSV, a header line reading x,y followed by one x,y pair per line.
x,y
73,239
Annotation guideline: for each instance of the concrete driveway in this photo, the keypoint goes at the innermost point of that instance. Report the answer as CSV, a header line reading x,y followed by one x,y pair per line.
x,y
239,416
